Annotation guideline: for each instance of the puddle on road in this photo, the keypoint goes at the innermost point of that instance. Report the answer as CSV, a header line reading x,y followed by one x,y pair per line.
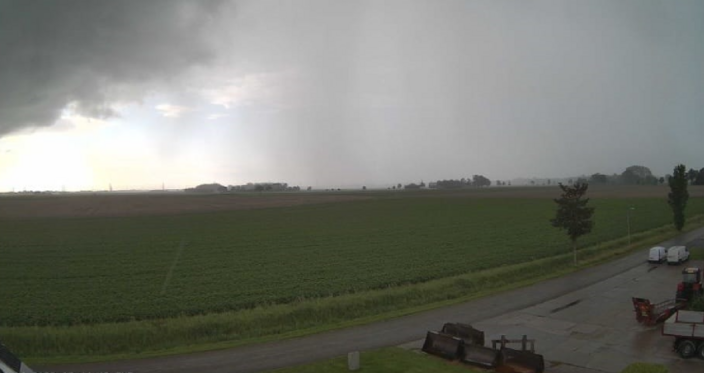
x,y
645,339
568,305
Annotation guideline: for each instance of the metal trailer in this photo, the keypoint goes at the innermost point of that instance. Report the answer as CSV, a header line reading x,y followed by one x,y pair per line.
x,y
466,332
688,329
461,342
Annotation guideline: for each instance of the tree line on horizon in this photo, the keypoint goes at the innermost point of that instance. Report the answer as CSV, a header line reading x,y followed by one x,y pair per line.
x,y
249,187
473,182
641,175
633,175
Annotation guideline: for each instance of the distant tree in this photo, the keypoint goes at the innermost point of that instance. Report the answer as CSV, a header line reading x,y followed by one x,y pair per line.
x,y
532,182
650,180
480,181
692,175
451,184
700,178
509,183
364,188
548,181
573,214
399,186
422,184
636,175
678,196
259,187
661,180
309,188
394,188
598,178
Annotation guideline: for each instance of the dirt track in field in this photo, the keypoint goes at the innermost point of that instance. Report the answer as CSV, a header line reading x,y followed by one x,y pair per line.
x,y
103,205
134,204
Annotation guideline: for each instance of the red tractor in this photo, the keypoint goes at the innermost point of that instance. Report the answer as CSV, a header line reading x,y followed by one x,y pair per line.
x,y
691,284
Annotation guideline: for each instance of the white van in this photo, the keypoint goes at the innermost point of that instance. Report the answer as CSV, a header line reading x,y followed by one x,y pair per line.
x,y
677,255
657,254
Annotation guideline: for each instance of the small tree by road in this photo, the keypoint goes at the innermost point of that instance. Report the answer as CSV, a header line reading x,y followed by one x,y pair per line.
x,y
572,214
678,196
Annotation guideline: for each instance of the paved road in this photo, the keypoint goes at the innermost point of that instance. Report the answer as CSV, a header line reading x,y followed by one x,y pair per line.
x,y
487,312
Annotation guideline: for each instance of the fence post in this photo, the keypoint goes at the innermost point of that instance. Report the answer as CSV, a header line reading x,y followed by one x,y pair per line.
x,y
353,361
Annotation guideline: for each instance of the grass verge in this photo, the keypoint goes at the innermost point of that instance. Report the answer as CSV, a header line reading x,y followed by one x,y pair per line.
x,y
386,360
696,253
114,341
396,360
645,368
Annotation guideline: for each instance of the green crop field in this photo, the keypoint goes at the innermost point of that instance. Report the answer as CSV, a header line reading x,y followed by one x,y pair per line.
x,y
92,270
89,270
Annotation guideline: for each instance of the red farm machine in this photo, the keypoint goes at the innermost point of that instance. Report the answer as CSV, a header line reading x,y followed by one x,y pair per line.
x,y
691,284
649,313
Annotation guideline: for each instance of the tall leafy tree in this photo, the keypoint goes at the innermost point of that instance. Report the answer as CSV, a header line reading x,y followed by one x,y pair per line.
x,y
572,214
678,196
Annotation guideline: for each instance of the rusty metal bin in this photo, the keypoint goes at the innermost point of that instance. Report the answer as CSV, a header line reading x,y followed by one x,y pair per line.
x,y
443,345
466,332
515,361
480,356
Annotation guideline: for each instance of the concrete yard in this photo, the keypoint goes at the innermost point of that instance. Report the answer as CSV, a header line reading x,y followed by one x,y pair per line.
x,y
594,329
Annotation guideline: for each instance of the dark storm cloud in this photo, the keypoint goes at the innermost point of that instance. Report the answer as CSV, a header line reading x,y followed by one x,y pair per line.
x,y
401,90
93,53
346,92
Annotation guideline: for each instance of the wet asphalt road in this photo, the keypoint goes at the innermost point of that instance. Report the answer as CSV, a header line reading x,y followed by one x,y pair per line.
x,y
514,312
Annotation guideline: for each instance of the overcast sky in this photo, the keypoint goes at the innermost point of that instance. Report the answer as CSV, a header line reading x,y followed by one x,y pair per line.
x,y
333,93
